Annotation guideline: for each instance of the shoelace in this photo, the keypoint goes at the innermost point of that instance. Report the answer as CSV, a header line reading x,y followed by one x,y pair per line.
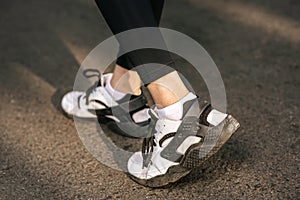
x,y
89,73
149,141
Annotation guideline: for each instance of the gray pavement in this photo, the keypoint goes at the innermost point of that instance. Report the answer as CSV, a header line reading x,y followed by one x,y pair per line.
x,y
255,44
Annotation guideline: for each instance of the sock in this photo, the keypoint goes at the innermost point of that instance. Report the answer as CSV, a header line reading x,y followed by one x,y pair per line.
x,y
215,117
174,111
114,93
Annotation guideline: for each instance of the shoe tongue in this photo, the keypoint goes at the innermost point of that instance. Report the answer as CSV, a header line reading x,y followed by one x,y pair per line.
x,y
103,78
166,129
100,94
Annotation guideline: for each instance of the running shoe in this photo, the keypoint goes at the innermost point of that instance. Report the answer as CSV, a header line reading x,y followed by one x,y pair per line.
x,y
173,148
122,116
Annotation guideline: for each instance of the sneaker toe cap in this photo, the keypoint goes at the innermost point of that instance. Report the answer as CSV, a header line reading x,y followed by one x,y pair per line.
x,y
135,166
69,102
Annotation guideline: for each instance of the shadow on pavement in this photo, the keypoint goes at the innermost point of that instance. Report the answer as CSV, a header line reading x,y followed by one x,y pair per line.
x,y
259,65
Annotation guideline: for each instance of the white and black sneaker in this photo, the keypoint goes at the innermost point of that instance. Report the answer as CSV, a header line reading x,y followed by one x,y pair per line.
x,y
122,115
173,148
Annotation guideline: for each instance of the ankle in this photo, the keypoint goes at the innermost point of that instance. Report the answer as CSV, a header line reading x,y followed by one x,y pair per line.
x,y
117,95
126,81
167,90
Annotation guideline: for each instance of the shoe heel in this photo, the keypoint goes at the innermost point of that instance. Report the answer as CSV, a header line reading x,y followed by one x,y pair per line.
x,y
200,152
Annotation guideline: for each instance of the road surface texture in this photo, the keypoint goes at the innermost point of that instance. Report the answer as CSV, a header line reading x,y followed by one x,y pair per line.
x,y
255,44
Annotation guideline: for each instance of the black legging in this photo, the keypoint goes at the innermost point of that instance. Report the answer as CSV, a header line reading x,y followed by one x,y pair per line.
x,y
123,15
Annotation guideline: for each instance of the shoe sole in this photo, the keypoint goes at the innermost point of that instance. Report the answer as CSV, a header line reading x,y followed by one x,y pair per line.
x,y
196,154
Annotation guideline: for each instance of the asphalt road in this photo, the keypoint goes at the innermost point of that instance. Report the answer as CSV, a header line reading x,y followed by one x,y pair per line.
x,y
255,44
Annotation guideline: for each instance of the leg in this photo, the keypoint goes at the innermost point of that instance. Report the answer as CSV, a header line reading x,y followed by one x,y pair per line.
x,y
174,138
125,81
80,104
124,15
